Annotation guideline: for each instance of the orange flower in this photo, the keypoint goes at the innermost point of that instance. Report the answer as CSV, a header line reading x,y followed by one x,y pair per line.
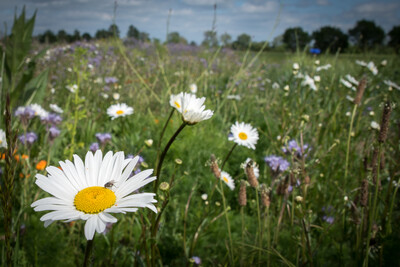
x,y
24,156
21,175
3,156
41,165
156,121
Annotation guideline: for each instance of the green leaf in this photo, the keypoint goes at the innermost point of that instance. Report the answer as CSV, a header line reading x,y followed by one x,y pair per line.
x,y
35,89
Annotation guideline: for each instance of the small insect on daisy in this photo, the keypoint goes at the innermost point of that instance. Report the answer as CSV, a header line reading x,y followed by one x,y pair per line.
x,y
110,184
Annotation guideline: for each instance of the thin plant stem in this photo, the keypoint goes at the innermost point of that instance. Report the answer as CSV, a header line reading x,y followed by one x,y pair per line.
x,y
227,156
268,237
162,134
243,228
88,252
259,226
164,153
227,222
373,210
348,144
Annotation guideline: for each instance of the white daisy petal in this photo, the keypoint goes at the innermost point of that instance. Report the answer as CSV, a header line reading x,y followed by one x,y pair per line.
x,y
90,227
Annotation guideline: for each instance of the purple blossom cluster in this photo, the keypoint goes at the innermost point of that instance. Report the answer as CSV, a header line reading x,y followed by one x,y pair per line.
x,y
109,80
25,114
103,138
28,138
327,217
293,147
94,147
51,120
277,164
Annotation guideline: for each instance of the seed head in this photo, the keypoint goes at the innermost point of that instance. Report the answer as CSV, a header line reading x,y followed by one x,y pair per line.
x,y
385,122
242,194
214,167
360,91
250,174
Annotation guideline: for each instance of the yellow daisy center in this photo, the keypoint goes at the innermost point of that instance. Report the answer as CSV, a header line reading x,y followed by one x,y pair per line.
x,y
94,199
225,179
243,136
177,104
120,112
1,141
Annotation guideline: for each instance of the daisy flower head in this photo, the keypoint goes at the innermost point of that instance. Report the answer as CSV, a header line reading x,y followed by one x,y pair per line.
x,y
193,88
119,110
192,109
176,101
244,134
93,189
228,180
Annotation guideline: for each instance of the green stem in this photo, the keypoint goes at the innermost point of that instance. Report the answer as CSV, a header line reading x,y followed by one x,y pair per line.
x,y
348,143
164,153
259,227
373,211
227,222
162,134
227,156
243,228
88,251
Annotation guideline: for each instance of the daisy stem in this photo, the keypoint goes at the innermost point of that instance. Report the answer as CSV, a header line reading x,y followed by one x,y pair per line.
x,y
348,143
227,222
162,134
243,228
164,153
88,251
227,156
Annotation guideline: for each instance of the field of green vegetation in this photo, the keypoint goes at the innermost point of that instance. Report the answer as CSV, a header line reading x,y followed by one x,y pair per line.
x,y
293,161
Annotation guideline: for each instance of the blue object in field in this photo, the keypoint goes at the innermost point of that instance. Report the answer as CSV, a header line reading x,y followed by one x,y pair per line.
x,y
315,51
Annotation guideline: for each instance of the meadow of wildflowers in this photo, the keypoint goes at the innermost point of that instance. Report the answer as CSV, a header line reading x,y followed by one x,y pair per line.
x,y
203,157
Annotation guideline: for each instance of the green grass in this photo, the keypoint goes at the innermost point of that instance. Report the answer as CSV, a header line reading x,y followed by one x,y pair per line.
x,y
319,117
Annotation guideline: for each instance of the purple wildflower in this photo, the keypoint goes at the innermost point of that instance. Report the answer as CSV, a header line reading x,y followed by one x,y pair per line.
x,y
29,138
52,119
94,147
103,138
277,164
292,146
196,260
54,132
328,219
110,80
25,114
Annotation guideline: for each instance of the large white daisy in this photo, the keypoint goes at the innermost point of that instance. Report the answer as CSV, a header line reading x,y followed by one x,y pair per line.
x,y
244,134
228,180
93,189
119,110
193,109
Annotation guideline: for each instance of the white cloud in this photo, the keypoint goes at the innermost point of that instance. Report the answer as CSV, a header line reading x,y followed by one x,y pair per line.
x,y
269,6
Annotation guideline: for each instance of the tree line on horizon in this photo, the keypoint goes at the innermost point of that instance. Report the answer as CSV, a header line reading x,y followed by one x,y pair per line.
x,y
364,36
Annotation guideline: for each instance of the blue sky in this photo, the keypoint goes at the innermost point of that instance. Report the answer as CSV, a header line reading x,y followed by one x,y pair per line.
x,y
262,19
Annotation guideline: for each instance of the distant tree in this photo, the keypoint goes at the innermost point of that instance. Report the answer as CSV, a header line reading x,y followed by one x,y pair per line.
x,y
86,36
76,36
278,41
366,34
144,37
294,37
394,35
210,39
62,36
101,34
330,38
133,32
242,42
193,43
225,39
113,30
174,37
48,37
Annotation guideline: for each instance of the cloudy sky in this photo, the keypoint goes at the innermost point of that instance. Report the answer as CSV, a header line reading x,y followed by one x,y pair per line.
x,y
262,19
